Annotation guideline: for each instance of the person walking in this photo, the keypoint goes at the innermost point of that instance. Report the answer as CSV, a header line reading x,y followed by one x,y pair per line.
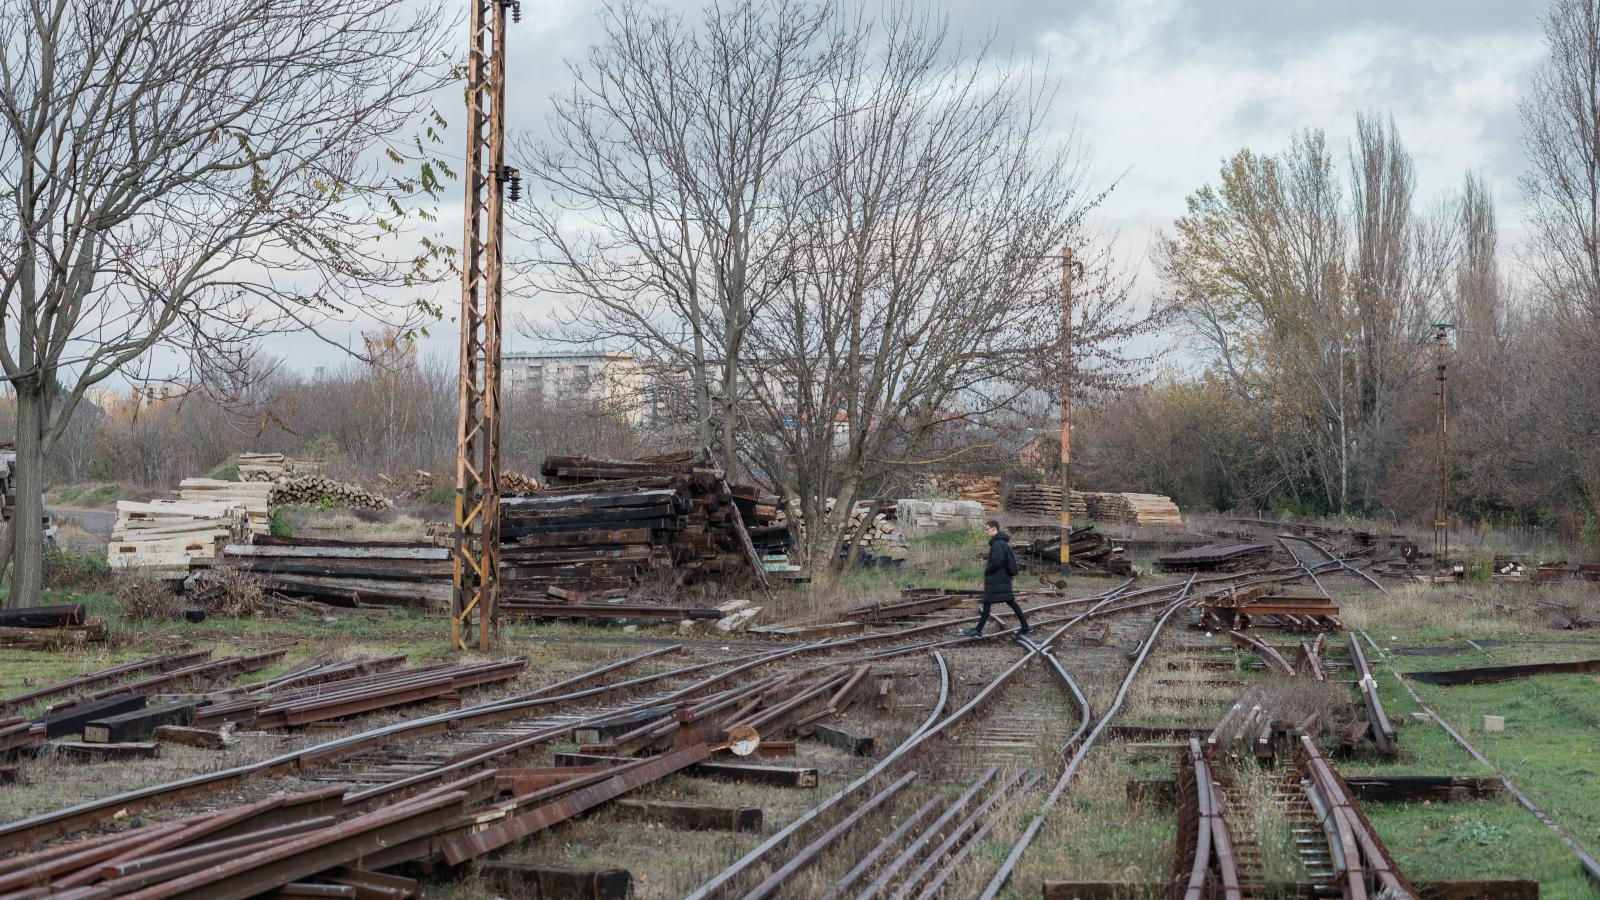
x,y
1001,566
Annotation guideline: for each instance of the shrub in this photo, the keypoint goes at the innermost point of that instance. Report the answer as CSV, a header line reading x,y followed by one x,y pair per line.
x,y
145,598
65,570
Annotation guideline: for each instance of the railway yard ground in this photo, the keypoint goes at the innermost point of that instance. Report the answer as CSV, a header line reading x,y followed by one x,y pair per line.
x,y
1129,746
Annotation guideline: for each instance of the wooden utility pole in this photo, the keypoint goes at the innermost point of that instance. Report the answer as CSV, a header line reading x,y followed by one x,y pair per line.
x,y
1441,504
476,556
1066,410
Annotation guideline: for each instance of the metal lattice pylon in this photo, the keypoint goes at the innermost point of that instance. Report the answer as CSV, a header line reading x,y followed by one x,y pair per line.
x,y
476,556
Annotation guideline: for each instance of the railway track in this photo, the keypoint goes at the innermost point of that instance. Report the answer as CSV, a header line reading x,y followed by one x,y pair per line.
x,y
1031,747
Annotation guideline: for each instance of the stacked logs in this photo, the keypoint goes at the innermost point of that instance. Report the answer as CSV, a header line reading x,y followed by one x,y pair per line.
x,y
604,526
47,627
1043,500
316,490
981,489
273,466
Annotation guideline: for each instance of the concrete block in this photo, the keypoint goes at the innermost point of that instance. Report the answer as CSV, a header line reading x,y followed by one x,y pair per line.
x,y
1494,723
1421,718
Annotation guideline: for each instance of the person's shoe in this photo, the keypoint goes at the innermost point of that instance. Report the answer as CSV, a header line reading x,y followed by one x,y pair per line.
x,y
972,632
1025,629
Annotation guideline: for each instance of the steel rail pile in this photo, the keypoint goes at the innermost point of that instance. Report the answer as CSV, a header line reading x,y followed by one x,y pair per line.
x,y
96,679
356,693
209,671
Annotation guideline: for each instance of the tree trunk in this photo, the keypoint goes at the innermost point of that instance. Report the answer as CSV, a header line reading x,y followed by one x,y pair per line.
x,y
26,520
7,537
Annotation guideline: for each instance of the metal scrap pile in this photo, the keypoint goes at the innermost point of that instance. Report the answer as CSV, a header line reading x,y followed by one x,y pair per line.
x,y
1039,547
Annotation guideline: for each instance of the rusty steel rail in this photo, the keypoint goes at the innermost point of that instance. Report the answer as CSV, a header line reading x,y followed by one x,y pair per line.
x,y
997,883
1268,653
1328,551
1360,860
1382,730
1304,567
1205,865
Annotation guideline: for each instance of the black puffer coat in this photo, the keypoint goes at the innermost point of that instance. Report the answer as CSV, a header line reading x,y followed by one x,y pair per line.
x,y
996,580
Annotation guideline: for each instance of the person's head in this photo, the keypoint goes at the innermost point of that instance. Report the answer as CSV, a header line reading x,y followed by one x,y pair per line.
x,y
991,527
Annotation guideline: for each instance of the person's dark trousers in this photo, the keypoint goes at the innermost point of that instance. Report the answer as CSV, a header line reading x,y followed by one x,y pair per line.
x,y
983,614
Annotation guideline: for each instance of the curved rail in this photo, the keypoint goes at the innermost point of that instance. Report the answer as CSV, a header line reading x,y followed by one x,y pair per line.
x,y
1212,865
760,851
998,882
1328,551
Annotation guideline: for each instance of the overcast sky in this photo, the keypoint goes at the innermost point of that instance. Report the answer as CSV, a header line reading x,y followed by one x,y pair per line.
x,y
1161,91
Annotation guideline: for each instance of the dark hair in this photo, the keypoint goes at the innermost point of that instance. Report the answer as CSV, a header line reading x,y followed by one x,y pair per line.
x,y
992,523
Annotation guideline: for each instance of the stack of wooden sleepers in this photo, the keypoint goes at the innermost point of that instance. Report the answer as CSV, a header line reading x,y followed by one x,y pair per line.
x,y
342,573
255,496
605,526
1094,553
167,534
981,489
1148,510
44,627
1043,500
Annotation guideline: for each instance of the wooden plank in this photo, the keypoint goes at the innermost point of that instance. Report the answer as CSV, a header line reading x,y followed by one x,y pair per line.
x,y
695,816
136,723
88,752
336,551
845,739
191,737
72,719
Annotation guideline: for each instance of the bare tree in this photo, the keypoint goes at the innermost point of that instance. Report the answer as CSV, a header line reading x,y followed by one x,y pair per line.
x,y
189,175
923,299
661,215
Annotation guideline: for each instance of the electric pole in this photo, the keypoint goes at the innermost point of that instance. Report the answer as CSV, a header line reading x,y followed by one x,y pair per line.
x,y
476,555
1066,410
1441,504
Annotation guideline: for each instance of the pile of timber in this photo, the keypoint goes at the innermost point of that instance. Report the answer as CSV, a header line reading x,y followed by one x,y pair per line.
x,y
169,534
316,490
881,533
1147,510
273,467
407,487
254,496
46,627
983,490
1043,500
940,513
340,573
518,483
604,526
1039,547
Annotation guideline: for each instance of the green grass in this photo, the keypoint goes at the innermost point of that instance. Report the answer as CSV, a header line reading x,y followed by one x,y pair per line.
x,y
228,471
85,496
1550,748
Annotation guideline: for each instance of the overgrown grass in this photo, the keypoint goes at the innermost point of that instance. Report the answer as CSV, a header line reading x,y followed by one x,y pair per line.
x,y
228,471
86,496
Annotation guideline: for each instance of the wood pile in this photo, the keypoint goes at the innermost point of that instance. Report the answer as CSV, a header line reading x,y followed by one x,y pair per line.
x,y
981,489
316,490
518,483
881,534
340,573
1147,510
273,466
940,513
407,487
255,496
604,526
1043,500
168,534
1039,547
46,627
